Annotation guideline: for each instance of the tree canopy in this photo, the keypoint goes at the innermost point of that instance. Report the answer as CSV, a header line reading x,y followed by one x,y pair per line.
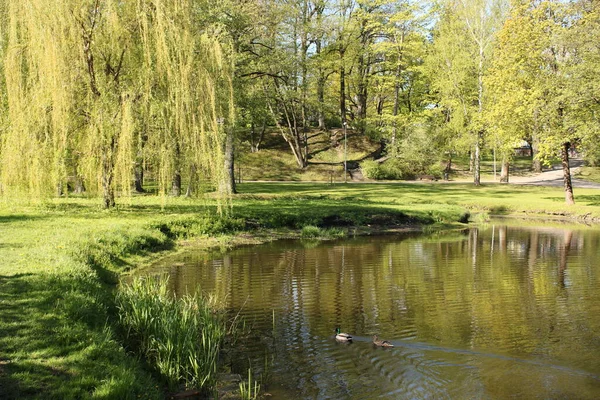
x,y
97,93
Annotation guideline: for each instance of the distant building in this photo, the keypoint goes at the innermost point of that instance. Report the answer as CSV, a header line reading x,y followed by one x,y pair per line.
x,y
523,149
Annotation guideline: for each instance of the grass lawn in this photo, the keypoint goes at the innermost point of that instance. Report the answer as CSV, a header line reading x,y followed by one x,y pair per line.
x,y
591,174
59,262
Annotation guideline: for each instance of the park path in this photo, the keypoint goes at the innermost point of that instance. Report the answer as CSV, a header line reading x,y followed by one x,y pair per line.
x,y
554,177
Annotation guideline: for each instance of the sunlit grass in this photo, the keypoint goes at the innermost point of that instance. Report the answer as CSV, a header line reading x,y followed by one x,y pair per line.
x,y
589,174
59,261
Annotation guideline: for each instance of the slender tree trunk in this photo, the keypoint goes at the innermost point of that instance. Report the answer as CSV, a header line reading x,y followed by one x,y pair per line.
x,y
229,183
108,194
448,168
569,199
477,161
138,172
176,184
256,140
176,187
504,173
536,163
396,105
342,86
191,188
79,185
477,158
304,70
321,74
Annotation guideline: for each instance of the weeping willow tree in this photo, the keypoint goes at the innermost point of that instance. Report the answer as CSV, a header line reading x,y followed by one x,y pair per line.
x,y
85,79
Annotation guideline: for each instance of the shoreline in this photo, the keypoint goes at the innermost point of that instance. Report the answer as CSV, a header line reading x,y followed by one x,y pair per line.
x,y
61,263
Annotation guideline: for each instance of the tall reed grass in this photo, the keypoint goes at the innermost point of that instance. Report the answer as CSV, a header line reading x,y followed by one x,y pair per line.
x,y
179,337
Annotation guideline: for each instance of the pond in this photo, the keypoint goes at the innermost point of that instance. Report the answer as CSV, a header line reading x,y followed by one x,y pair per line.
x,y
490,312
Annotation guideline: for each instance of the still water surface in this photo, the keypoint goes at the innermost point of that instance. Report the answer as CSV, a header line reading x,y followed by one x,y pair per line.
x,y
487,313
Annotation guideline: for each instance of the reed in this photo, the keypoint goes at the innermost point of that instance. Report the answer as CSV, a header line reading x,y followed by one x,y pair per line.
x,y
249,390
179,337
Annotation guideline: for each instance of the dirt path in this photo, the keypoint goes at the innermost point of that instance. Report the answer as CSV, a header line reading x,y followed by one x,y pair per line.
x,y
554,177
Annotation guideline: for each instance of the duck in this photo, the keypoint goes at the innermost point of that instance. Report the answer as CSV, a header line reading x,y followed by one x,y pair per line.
x,y
381,343
342,337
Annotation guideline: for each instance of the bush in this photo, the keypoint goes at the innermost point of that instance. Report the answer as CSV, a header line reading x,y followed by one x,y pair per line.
x,y
311,231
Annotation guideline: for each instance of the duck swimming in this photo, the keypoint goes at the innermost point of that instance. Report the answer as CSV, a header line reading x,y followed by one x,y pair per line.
x,y
342,337
381,343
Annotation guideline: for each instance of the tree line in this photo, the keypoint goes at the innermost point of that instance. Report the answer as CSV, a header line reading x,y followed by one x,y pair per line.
x,y
97,93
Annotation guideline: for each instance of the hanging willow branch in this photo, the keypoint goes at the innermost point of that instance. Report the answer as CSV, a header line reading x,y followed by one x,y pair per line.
x,y
85,79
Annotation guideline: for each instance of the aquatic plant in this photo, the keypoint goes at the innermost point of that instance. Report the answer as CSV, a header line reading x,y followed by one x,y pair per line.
x,y
179,337
249,390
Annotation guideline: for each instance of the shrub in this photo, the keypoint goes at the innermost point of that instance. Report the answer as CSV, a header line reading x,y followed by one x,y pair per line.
x,y
311,231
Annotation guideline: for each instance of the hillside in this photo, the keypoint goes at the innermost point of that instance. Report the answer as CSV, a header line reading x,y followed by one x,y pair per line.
x,y
275,162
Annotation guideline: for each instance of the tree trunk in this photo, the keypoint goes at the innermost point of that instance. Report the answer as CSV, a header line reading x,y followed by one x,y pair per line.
x,y
504,173
396,106
138,172
471,160
255,141
191,188
108,193
536,163
79,185
477,161
229,182
342,87
448,168
569,199
176,186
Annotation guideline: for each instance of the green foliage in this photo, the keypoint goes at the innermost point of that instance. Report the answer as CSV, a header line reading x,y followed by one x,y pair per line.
x,y
179,337
199,225
248,390
310,231
93,86
314,232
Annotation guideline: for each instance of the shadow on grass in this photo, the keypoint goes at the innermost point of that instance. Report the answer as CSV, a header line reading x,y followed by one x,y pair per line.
x,y
5,219
54,341
591,200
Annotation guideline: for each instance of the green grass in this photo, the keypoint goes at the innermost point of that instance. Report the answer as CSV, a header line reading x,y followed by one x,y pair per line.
x,y
59,262
591,174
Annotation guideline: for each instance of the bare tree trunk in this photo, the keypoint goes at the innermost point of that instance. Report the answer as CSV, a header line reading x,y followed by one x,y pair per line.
x,y
229,183
176,185
477,161
569,199
79,185
396,106
191,188
504,173
255,141
536,163
448,168
108,193
342,86
138,172
471,160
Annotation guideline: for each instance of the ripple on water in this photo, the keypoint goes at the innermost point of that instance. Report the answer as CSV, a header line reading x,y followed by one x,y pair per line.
x,y
496,312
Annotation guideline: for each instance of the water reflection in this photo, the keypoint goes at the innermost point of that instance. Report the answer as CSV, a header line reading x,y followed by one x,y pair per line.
x,y
489,312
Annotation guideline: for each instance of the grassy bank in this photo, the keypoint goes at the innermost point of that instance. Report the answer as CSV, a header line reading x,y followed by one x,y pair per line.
x,y
60,260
